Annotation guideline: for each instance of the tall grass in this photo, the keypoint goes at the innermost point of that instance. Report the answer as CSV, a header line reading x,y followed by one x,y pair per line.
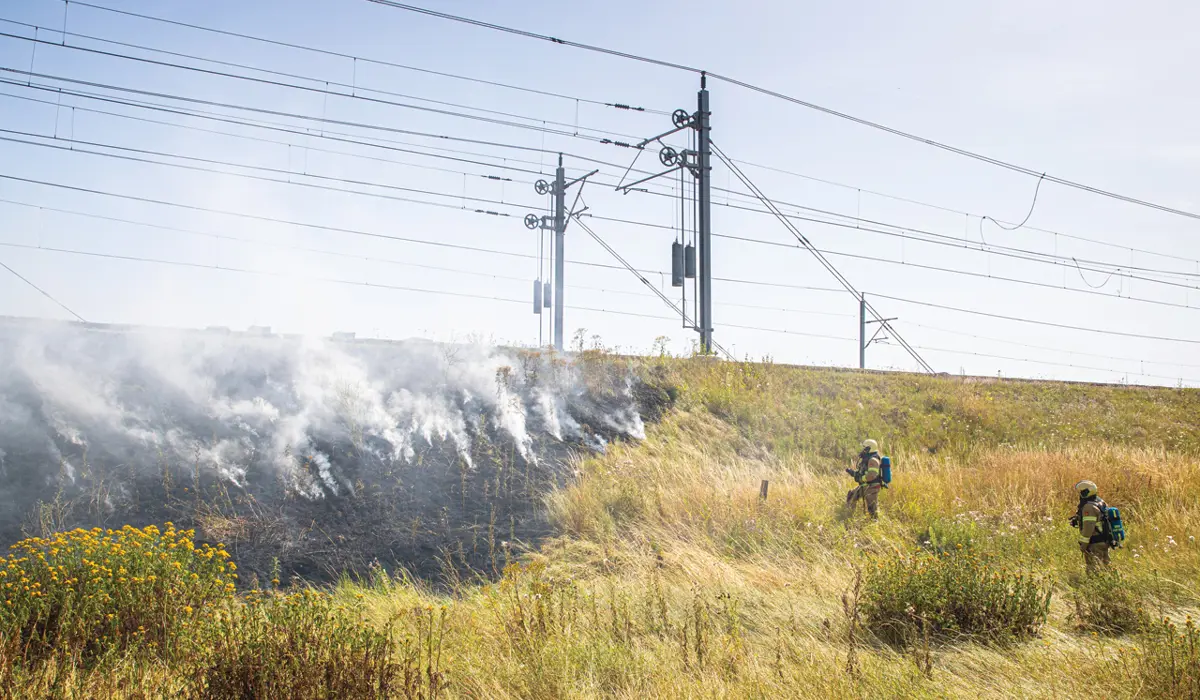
x,y
670,576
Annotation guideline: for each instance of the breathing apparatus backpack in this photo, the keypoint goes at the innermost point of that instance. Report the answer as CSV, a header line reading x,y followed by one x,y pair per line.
x,y
885,464
1113,526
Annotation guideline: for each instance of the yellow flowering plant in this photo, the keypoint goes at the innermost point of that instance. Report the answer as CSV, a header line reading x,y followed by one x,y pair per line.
x,y
85,592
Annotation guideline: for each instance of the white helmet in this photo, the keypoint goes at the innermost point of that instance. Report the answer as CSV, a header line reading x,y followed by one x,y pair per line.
x,y
871,445
1087,489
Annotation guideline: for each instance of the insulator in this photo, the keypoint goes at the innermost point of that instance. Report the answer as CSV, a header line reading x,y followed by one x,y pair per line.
x,y
546,295
676,264
537,296
689,261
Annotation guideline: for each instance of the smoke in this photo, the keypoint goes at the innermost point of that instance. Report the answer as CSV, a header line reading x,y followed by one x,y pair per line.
x,y
120,420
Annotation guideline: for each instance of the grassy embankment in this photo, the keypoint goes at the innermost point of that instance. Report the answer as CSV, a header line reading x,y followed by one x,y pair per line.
x,y
671,578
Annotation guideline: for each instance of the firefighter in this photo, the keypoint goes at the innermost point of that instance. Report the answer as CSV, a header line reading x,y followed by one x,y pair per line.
x,y
869,479
1089,518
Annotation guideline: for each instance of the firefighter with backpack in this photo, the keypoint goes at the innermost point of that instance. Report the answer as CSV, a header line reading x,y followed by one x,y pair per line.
x,y
1100,526
872,475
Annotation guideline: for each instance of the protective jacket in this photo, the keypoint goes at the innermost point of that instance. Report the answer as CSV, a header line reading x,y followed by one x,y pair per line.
x,y
1091,522
868,471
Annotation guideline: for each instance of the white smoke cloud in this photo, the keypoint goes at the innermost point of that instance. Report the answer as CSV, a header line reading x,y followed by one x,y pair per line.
x,y
225,403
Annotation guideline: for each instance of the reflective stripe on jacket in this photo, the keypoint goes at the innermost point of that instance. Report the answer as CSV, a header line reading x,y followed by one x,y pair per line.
x,y
1091,529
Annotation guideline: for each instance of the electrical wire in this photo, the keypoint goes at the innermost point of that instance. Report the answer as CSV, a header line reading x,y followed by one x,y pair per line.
x,y
1024,221
373,234
354,89
407,200
1085,329
884,323
966,273
1057,364
356,58
951,210
905,232
794,100
280,127
626,266
403,288
468,295
323,133
353,95
168,154
543,37
666,300
953,271
493,202
280,142
260,110
41,291
1006,341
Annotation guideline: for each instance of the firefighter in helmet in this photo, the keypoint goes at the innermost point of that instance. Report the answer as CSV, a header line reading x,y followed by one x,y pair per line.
x,y
869,477
1089,518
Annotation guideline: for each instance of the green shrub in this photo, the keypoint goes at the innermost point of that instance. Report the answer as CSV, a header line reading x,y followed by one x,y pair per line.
x,y
1106,602
952,594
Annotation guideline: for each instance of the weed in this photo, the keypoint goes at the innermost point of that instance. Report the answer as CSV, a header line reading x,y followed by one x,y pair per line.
x,y
1167,662
301,645
953,594
1108,603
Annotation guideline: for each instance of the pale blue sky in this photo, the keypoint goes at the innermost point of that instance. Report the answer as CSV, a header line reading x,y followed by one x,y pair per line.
x,y
1103,93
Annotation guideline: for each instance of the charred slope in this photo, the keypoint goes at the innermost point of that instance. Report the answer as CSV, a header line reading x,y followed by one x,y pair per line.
x,y
307,456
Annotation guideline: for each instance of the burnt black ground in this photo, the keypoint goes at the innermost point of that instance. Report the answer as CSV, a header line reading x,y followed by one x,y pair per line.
x,y
320,459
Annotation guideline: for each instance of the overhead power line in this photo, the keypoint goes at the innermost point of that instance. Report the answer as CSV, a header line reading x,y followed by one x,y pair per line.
x,y
492,202
370,234
323,131
41,291
532,35
943,240
1051,324
1060,350
484,297
289,144
797,101
665,299
923,236
388,261
363,59
485,201
352,87
281,181
968,273
1059,364
884,322
951,210
953,271
352,95
278,127
372,285
272,112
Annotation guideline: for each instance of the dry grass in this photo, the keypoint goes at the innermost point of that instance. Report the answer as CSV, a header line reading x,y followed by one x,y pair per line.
x,y
671,578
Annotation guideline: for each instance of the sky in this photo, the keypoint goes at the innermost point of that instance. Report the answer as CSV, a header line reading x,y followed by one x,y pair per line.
x,y
246,227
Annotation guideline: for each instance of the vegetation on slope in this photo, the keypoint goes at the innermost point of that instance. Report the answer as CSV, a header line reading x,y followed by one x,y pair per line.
x,y
671,577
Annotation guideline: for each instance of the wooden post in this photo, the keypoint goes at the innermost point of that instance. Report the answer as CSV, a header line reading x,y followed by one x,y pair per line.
x,y
762,490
